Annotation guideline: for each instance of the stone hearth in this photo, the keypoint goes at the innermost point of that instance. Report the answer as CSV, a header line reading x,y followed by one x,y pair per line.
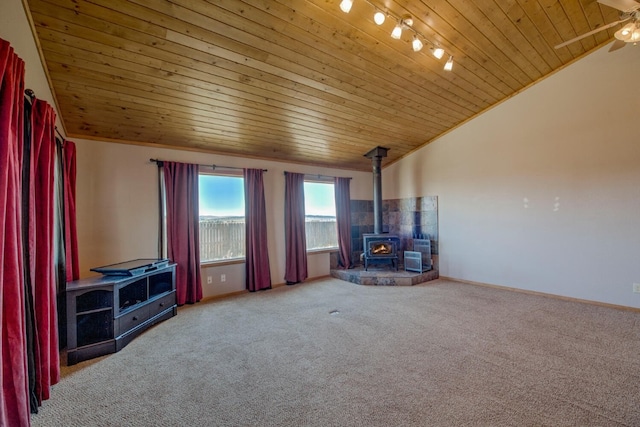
x,y
383,276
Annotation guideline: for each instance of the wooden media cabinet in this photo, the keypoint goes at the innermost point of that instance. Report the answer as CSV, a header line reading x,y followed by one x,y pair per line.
x,y
105,313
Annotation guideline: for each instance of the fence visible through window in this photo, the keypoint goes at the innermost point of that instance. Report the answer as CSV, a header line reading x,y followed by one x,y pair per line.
x,y
321,232
221,239
224,238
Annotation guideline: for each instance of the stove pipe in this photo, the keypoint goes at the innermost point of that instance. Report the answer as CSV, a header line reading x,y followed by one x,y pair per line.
x,y
376,156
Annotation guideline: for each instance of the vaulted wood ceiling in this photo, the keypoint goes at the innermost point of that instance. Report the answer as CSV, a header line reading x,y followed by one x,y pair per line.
x,y
298,80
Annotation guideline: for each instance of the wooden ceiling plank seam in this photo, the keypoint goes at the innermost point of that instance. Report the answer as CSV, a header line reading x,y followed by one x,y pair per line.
x,y
176,115
465,33
265,149
201,105
387,112
239,60
357,34
541,20
475,72
97,69
176,71
496,34
295,46
553,9
334,88
292,26
579,22
172,124
596,19
150,132
528,30
141,93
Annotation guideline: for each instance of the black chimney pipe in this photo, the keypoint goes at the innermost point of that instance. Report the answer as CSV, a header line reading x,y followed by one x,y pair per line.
x,y
376,156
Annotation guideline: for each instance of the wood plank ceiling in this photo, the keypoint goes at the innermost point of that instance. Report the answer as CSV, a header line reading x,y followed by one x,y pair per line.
x,y
297,80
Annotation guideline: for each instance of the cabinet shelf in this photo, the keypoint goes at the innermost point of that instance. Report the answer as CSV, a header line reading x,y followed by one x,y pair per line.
x,y
105,313
97,310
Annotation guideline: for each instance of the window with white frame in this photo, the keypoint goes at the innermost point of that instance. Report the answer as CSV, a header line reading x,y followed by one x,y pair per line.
x,y
320,215
222,222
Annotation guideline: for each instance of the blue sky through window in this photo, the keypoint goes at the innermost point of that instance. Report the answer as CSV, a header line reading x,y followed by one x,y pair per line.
x,y
223,196
319,199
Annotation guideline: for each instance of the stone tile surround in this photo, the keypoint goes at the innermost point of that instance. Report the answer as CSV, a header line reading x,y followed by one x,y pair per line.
x,y
408,218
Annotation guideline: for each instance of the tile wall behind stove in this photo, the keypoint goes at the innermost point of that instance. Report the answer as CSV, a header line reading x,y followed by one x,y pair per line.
x,y
408,218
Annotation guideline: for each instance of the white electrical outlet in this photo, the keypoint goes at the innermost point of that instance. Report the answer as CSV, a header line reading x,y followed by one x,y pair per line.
x,y
223,277
209,280
636,288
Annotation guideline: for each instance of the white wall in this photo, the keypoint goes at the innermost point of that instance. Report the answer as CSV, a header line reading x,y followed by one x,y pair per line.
x,y
542,192
117,204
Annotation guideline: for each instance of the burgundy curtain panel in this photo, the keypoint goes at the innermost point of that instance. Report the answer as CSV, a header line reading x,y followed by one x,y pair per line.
x,y
258,274
41,248
183,243
14,399
295,237
343,219
72,267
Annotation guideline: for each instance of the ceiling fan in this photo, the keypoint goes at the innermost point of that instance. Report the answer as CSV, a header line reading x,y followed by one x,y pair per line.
x,y
630,33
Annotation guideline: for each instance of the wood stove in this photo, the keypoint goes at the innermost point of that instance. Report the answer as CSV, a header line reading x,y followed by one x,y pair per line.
x,y
380,248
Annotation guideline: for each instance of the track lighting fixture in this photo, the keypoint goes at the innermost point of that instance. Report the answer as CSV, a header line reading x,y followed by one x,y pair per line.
x,y
405,22
417,44
345,5
449,65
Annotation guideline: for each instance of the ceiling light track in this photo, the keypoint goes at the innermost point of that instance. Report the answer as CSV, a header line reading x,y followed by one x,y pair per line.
x,y
403,23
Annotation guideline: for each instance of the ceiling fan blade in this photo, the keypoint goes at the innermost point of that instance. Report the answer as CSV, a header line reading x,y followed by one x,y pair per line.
x,y
617,44
597,30
625,6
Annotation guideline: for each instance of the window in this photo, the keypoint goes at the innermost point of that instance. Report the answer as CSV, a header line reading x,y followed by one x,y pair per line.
x,y
320,215
222,229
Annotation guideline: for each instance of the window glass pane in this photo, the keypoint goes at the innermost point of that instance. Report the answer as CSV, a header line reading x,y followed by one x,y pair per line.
x,y
222,229
320,215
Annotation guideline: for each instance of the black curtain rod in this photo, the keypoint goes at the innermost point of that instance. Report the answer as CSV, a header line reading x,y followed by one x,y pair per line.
x,y
31,95
159,162
318,176
59,134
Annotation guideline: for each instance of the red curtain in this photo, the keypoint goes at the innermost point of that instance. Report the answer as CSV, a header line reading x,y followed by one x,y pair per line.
x,y
14,401
183,245
257,257
294,224
41,248
343,219
72,266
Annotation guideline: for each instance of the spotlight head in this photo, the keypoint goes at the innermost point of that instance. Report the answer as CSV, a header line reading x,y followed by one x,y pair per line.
x,y
379,18
438,52
449,65
345,5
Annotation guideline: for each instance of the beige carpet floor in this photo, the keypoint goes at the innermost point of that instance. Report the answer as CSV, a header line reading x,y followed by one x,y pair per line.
x,y
331,353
